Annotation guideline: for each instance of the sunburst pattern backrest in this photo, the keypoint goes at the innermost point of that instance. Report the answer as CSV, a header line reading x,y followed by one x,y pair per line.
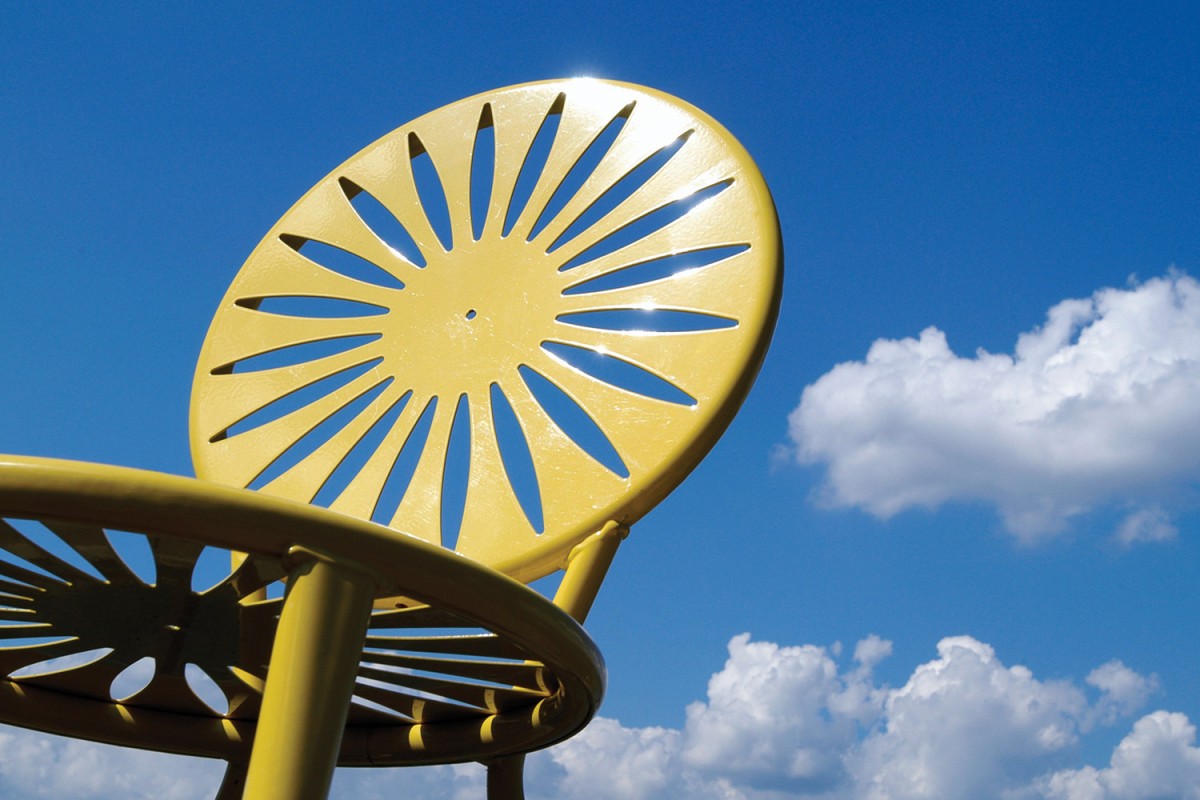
x,y
500,326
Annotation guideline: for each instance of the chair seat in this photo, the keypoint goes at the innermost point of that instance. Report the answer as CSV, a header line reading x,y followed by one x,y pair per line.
x,y
468,664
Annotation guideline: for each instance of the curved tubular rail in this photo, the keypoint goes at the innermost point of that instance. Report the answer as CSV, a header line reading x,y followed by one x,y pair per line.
x,y
433,718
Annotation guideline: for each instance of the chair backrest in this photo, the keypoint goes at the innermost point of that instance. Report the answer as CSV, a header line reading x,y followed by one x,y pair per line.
x,y
501,326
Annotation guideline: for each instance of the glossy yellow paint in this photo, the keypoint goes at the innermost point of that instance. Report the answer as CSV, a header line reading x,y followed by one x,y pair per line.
x,y
487,309
458,660
321,633
555,671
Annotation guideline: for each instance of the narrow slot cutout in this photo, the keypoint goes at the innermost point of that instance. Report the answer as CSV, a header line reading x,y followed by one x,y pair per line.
x,y
319,435
620,191
382,222
295,354
298,399
18,562
133,679
312,307
574,421
62,663
47,540
343,262
11,642
456,472
206,689
641,228
657,269
588,162
622,374
377,707
430,192
647,320
212,567
401,473
134,549
358,456
518,462
534,163
483,171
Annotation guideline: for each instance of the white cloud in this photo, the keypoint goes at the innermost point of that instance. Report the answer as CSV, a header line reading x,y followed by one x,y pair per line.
x,y
1094,407
1146,525
789,722
34,765
1123,690
778,723
966,726
1157,760
740,731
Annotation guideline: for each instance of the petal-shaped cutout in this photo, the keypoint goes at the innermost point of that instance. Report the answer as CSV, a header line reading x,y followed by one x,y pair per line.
x,y
382,222
581,170
420,511
311,442
430,191
647,319
619,373
302,397
518,464
206,689
646,225
456,471
574,421
317,307
343,262
54,545
656,269
620,191
483,171
134,549
61,663
133,679
533,164
295,354
413,428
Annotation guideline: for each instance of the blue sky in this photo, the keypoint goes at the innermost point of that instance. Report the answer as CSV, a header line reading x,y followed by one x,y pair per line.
x,y
947,166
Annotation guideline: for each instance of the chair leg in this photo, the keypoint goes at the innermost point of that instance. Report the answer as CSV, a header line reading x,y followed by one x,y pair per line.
x,y
310,680
233,783
506,778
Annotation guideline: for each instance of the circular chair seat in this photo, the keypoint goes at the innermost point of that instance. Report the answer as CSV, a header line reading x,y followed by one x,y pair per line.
x,y
471,665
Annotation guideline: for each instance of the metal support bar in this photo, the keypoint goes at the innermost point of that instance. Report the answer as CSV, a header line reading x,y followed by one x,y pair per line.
x,y
310,679
506,778
234,782
587,565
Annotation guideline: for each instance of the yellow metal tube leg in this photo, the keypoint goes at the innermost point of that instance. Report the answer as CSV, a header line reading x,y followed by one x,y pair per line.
x,y
506,778
310,679
586,567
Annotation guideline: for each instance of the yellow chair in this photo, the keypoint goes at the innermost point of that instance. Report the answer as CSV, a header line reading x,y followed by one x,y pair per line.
x,y
488,343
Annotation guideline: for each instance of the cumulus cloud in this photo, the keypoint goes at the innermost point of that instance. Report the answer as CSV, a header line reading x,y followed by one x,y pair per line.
x,y
783,723
777,723
1158,759
740,733
1096,406
34,765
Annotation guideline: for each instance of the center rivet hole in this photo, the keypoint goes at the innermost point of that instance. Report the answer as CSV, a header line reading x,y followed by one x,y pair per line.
x,y
470,314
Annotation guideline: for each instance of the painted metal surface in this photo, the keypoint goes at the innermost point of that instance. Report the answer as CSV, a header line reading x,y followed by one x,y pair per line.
x,y
493,668
501,300
581,247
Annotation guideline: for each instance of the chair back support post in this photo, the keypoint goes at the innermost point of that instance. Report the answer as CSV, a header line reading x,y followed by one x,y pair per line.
x,y
587,564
